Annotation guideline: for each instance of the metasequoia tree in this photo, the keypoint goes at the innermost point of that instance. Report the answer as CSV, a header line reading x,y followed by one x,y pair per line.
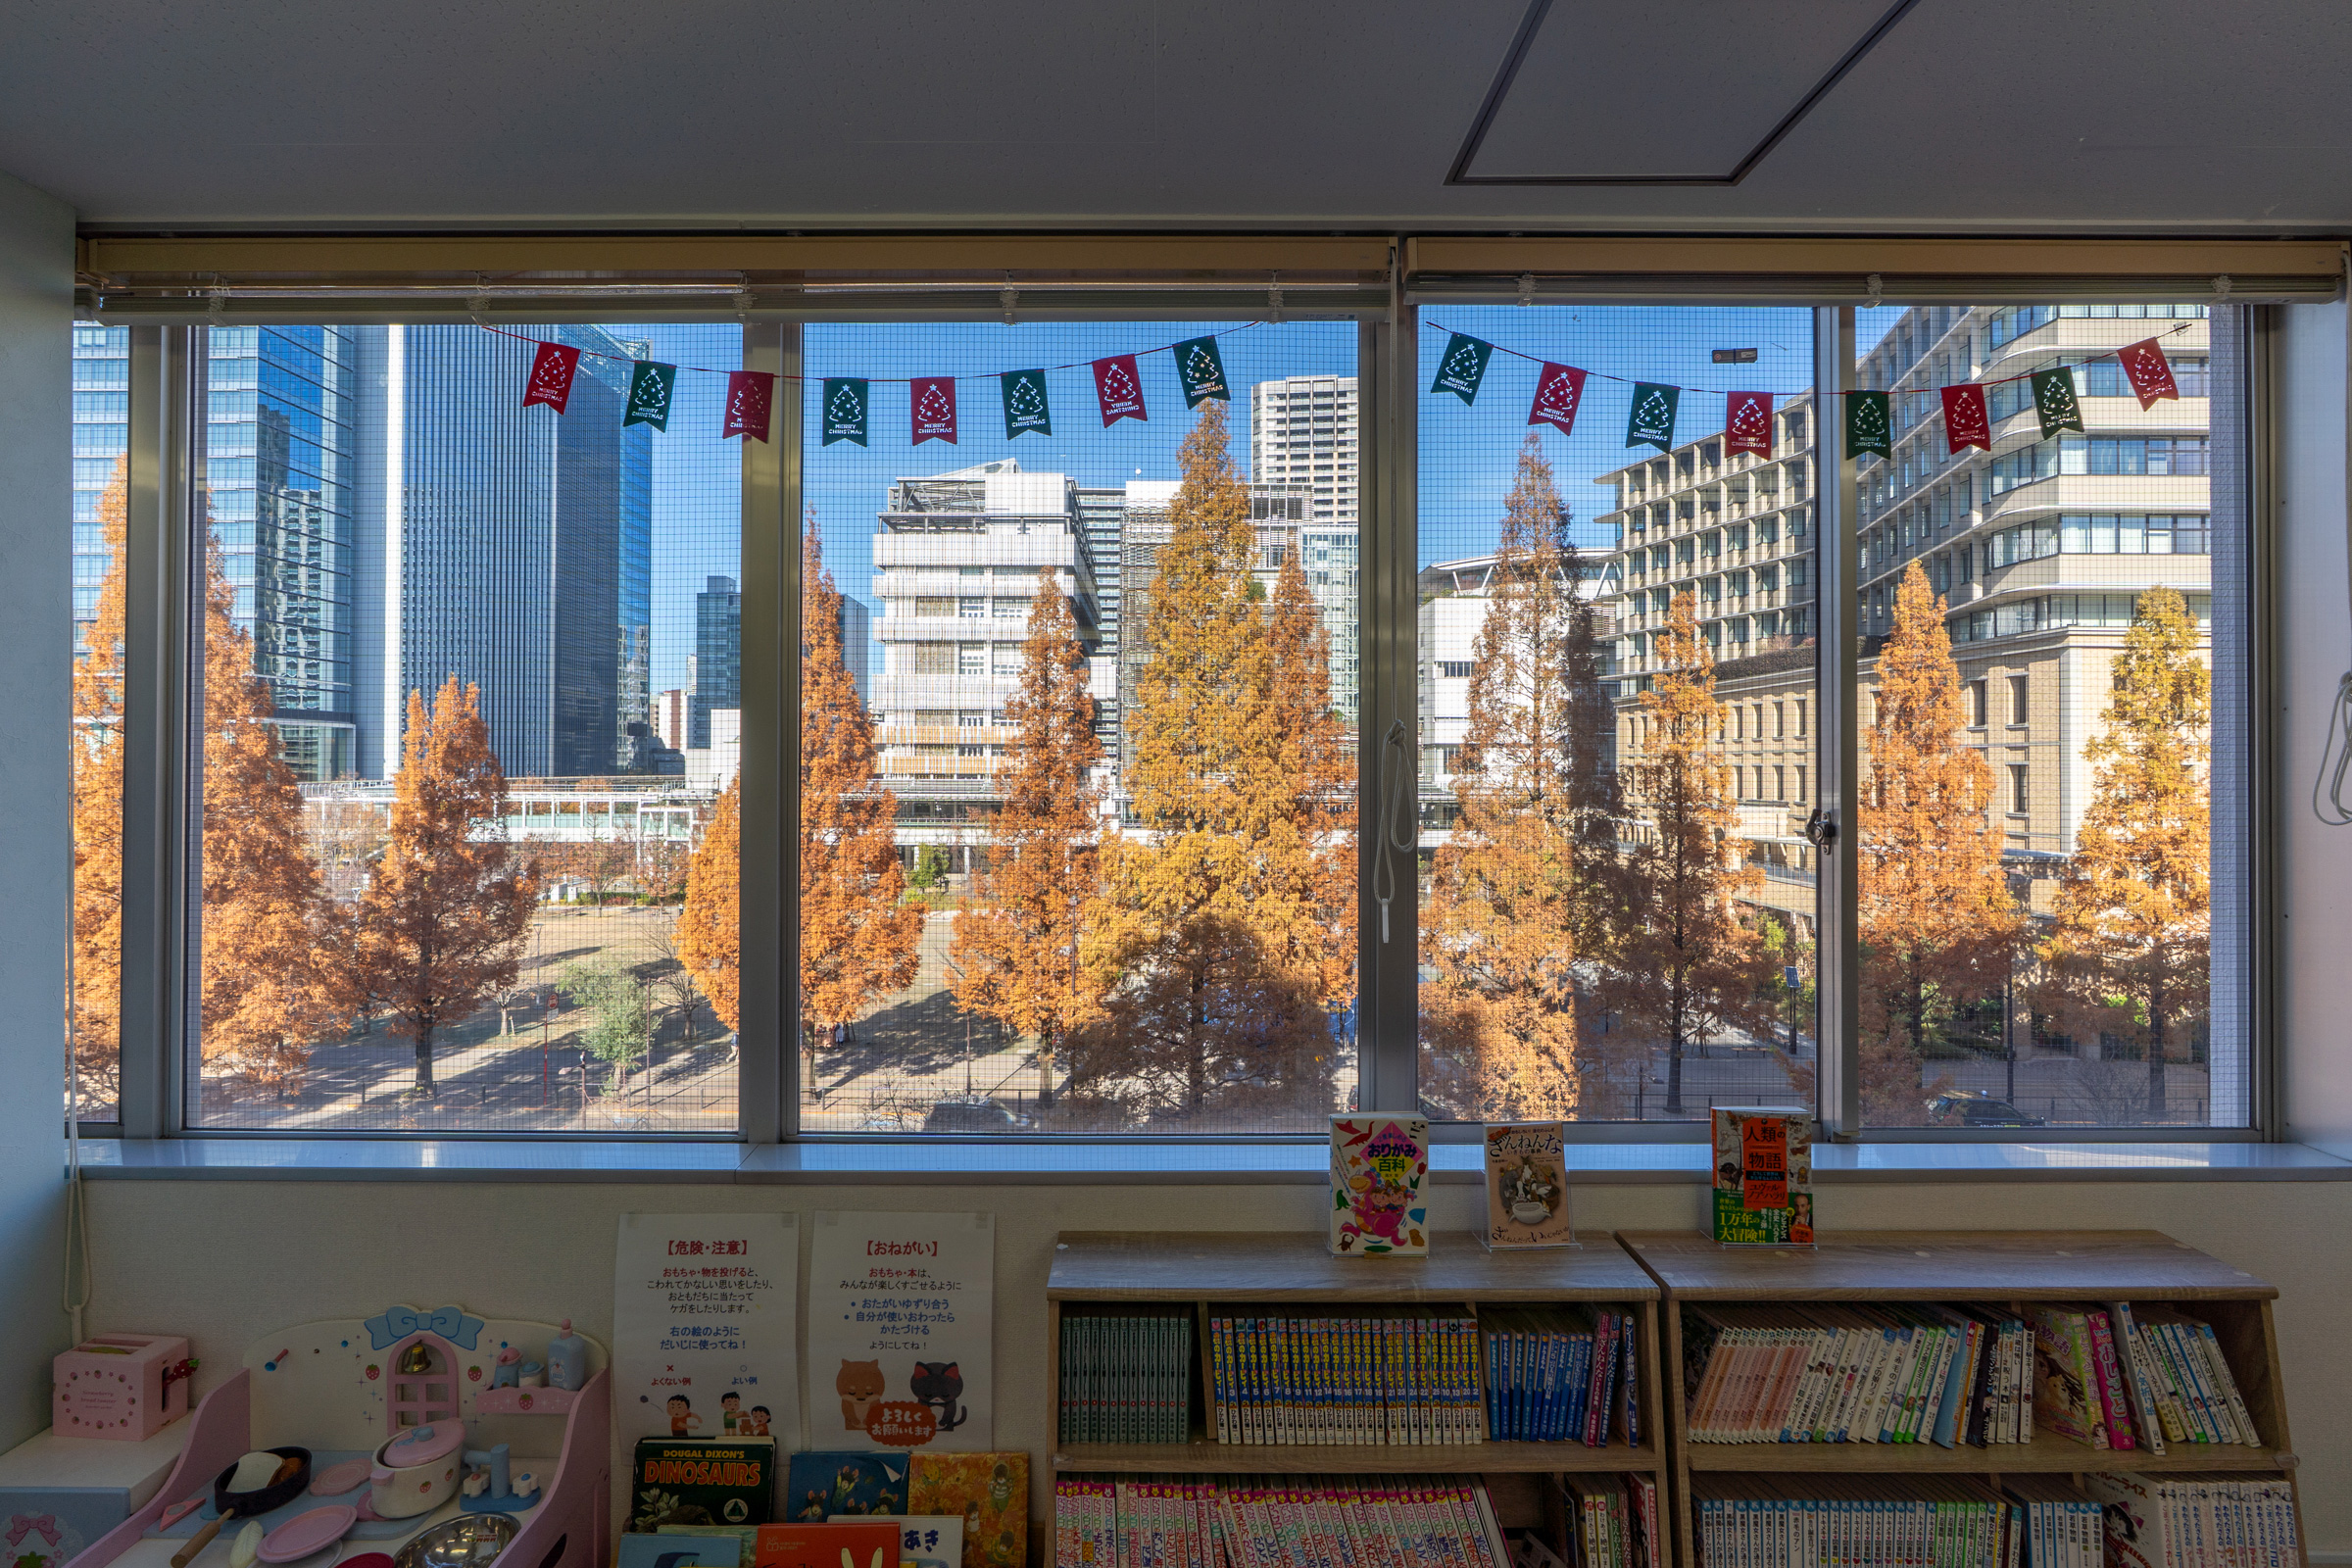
x,y
709,934
857,940
1937,919
97,765
1014,951
1520,895
2129,949
440,929
1683,970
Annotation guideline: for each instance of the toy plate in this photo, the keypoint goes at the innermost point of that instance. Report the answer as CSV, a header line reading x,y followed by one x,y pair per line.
x,y
305,1534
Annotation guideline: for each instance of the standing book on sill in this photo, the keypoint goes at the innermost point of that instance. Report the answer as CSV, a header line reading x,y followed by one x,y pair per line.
x,y
1763,1188
1378,1166
1527,1185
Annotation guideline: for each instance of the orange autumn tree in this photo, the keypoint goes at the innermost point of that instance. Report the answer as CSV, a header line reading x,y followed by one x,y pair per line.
x,y
1302,775
1684,967
439,931
1015,954
97,768
708,932
2129,949
1937,922
857,942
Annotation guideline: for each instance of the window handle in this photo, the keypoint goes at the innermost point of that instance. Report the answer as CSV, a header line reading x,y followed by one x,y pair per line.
x,y
1820,829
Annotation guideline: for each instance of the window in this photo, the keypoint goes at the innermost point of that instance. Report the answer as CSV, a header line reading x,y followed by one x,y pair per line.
x,y
2018,800
99,524
1976,704
1780,720
2018,708
1780,783
1800,784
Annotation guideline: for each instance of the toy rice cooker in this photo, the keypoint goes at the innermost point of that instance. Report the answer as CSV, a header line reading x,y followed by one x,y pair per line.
x,y
417,1471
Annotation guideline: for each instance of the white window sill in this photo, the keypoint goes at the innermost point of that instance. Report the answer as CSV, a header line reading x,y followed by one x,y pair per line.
x,y
1136,1161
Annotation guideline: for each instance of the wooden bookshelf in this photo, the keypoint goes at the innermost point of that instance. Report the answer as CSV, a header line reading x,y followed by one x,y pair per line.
x,y
1221,1270
2010,1267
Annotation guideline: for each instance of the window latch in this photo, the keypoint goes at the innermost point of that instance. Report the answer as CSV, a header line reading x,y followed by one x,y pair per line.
x,y
1820,829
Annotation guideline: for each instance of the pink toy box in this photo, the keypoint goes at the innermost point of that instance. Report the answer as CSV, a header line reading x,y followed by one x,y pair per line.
x,y
126,1385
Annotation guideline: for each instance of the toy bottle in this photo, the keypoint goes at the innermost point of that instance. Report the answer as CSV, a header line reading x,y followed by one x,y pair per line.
x,y
567,1360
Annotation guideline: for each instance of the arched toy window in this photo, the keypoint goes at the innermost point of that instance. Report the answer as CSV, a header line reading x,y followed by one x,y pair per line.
x,y
423,1383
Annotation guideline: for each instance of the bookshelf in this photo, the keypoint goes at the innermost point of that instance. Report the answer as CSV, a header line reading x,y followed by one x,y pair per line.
x,y
1223,1270
1982,1266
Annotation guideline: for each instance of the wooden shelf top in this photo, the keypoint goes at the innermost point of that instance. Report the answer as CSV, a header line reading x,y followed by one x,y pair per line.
x,y
1286,1265
1222,1459
2048,1451
1946,1265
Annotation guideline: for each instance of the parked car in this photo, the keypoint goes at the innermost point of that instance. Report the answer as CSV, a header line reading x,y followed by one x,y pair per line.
x,y
976,1113
1971,1109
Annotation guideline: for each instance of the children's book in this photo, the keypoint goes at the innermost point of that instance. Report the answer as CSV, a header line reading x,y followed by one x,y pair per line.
x,y
934,1541
822,1486
701,1481
1378,1165
735,1544
873,1545
664,1551
987,1491
1763,1191
1527,1185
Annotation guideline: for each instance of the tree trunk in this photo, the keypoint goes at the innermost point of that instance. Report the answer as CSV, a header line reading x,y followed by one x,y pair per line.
x,y
1045,1062
424,1064
2158,1104
1674,1072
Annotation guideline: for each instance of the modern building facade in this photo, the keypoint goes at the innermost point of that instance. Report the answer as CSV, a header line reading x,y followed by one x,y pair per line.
x,y
1303,432
717,656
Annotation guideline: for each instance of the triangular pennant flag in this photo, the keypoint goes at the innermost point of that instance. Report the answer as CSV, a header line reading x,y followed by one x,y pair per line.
x,y
931,401
1965,421
550,375
844,410
750,395
2150,372
1119,388
1201,369
1025,407
1559,393
1867,425
649,387
1463,366
2054,401
1650,422
1748,423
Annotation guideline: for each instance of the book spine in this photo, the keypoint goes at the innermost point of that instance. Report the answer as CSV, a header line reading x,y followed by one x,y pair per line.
x,y
2108,1368
2243,1418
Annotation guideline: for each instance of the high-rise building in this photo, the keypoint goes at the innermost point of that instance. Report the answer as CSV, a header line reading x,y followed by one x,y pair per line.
x,y
1303,432
101,438
717,656
1102,522
670,710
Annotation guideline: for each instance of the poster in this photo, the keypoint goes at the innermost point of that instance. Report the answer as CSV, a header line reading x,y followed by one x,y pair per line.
x,y
901,1332
702,1340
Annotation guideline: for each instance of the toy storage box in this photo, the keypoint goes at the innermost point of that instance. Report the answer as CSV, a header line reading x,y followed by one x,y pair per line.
x,y
121,1385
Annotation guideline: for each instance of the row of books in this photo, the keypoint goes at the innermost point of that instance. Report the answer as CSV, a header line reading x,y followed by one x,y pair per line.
x,y
1613,1522
1126,1376
1404,1375
1275,1522
1857,1373
2124,1376
2196,1520
1561,1374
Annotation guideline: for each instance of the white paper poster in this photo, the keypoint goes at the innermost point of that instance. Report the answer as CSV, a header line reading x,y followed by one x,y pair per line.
x,y
702,1340
902,1323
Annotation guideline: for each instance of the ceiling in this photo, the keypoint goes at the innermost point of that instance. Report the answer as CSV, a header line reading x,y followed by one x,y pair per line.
x,y
2129,115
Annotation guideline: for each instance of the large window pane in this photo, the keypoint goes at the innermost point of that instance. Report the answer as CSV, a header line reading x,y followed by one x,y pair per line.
x,y
101,472
2041,863
1077,777
1617,704
466,718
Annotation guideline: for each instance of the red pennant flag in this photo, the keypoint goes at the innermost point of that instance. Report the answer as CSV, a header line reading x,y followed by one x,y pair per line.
x,y
1119,388
1559,393
550,375
1748,423
931,402
1965,421
2150,372
749,395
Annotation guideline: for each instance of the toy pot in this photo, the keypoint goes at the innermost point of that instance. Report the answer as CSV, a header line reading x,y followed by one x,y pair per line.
x,y
417,1471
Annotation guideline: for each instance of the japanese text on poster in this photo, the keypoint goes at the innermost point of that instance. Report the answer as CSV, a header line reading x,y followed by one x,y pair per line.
x,y
702,1340
901,1330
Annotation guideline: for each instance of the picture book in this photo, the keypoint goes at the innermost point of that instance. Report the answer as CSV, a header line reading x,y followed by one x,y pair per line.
x,y
871,1544
680,1551
989,1492
698,1481
1378,1165
1527,1185
734,1544
1763,1188
820,1486
932,1540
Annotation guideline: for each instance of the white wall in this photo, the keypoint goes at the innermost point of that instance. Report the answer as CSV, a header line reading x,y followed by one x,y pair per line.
x,y
225,1262
36,505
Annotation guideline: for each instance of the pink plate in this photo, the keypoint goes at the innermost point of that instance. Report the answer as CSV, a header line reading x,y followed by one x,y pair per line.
x,y
337,1479
308,1533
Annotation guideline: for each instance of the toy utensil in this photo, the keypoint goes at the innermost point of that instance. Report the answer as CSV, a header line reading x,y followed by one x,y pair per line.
x,y
174,1513
337,1479
292,1464
246,1549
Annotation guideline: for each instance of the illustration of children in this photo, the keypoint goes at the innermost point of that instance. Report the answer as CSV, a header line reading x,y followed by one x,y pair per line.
x,y
730,1411
682,1419
756,1424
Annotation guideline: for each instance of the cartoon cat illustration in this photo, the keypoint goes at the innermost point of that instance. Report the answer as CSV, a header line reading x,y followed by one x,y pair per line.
x,y
859,1384
938,1384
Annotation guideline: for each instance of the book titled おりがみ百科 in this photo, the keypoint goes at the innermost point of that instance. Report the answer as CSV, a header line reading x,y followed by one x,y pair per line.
x,y
1377,1164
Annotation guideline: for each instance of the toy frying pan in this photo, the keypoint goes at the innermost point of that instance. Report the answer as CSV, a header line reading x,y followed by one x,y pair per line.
x,y
246,1505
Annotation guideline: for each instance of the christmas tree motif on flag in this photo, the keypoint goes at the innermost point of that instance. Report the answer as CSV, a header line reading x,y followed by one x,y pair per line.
x,y
650,388
1559,393
1965,421
1868,428
2150,372
2055,402
551,370
1748,423
1025,406
845,411
751,398
1118,388
932,402
1652,421
1202,370
1463,366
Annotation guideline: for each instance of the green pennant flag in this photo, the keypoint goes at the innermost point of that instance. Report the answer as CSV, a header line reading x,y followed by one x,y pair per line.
x,y
649,386
1463,366
1652,421
844,410
1025,406
2054,401
1202,370
1868,428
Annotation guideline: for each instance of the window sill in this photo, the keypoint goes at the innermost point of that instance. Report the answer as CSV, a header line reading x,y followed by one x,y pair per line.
x,y
1137,1162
